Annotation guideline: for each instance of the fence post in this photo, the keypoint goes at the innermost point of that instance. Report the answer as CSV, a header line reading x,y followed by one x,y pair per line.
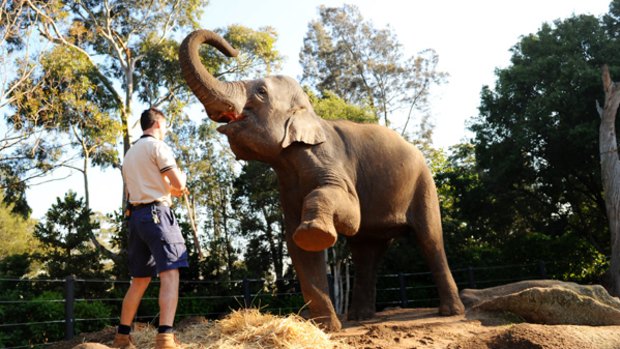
x,y
69,306
403,290
472,279
330,286
247,295
542,269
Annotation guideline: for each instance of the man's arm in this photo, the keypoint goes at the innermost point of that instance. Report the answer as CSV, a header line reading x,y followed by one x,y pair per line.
x,y
177,180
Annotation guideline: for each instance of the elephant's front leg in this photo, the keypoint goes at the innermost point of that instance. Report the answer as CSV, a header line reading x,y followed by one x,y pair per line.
x,y
327,211
312,274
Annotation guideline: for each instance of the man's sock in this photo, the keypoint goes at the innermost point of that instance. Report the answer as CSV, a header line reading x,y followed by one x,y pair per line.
x,y
123,329
164,329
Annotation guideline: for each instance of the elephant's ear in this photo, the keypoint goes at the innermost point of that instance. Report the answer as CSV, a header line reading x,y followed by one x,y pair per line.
x,y
303,126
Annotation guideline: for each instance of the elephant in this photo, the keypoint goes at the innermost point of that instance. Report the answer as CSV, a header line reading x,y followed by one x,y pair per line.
x,y
363,181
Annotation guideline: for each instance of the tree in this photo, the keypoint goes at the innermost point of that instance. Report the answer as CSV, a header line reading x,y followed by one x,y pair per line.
x,y
610,170
64,233
15,35
72,110
210,172
536,143
262,222
123,33
17,53
365,66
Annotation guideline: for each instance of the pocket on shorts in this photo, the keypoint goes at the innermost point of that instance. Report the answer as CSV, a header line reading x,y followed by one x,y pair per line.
x,y
174,247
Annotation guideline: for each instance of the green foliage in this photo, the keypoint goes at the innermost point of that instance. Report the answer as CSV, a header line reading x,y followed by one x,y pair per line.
x,y
14,188
47,306
210,172
15,232
257,52
331,107
69,98
257,199
536,138
94,316
528,188
64,233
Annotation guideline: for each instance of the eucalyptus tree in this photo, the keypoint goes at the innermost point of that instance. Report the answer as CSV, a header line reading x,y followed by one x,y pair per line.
x,y
16,49
66,101
366,66
115,37
16,66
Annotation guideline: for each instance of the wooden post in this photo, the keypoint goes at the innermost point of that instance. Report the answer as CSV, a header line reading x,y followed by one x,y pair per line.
x,y
69,306
403,290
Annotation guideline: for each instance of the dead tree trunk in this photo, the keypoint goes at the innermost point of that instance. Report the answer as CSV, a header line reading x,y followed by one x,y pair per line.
x,y
610,172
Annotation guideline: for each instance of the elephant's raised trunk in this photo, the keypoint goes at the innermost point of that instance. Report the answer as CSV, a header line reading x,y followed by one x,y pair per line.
x,y
223,101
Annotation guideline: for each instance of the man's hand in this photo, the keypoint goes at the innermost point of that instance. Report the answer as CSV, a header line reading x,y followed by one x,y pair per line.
x,y
178,192
176,179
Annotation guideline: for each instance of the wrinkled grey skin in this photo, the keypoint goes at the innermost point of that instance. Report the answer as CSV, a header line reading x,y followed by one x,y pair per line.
x,y
362,181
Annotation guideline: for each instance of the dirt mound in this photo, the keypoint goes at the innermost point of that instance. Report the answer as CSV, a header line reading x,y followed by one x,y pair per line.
x,y
414,328
423,329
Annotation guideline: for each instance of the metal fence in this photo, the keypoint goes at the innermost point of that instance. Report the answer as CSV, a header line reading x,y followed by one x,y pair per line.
x,y
212,299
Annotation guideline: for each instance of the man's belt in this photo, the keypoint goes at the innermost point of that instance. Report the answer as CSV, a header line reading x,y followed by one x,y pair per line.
x,y
135,207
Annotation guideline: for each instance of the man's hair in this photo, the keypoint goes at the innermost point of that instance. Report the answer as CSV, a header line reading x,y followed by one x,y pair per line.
x,y
149,116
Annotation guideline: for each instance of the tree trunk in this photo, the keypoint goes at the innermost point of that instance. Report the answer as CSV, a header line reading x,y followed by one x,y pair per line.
x,y
610,172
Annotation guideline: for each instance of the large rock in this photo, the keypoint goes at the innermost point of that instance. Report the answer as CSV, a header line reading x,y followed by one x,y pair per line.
x,y
548,302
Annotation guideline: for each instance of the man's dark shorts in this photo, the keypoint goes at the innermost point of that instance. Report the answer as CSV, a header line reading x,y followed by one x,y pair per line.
x,y
155,246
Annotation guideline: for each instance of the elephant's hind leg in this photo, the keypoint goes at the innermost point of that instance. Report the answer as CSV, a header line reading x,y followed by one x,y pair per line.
x,y
425,219
366,256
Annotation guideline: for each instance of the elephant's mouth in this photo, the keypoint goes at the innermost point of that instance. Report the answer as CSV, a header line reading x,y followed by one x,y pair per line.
x,y
229,117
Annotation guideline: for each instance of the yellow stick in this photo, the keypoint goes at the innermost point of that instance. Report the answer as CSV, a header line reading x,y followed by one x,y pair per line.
x,y
190,213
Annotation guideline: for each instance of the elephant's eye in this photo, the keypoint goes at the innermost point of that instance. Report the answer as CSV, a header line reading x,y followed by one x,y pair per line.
x,y
262,91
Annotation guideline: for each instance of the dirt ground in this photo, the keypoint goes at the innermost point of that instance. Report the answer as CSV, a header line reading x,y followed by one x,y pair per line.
x,y
422,329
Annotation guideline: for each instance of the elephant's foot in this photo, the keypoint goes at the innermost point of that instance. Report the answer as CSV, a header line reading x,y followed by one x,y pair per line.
x,y
328,323
311,236
360,314
451,307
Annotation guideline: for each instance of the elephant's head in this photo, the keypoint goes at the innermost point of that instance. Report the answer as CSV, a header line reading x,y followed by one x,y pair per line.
x,y
262,117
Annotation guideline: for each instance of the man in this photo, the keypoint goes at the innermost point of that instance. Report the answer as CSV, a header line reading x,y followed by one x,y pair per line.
x,y
155,242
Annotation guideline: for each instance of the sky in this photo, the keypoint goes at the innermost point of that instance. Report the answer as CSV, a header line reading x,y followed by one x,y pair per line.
x,y
472,39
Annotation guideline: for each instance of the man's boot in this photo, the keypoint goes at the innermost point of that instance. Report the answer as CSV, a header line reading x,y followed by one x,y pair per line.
x,y
167,341
123,341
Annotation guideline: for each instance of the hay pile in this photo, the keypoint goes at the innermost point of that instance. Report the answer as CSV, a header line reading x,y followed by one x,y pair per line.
x,y
248,329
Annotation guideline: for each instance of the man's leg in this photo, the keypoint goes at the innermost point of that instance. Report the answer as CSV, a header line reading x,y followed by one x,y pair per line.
x,y
132,299
168,296
134,294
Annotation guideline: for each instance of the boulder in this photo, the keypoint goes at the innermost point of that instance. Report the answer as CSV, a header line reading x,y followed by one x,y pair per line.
x,y
548,302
